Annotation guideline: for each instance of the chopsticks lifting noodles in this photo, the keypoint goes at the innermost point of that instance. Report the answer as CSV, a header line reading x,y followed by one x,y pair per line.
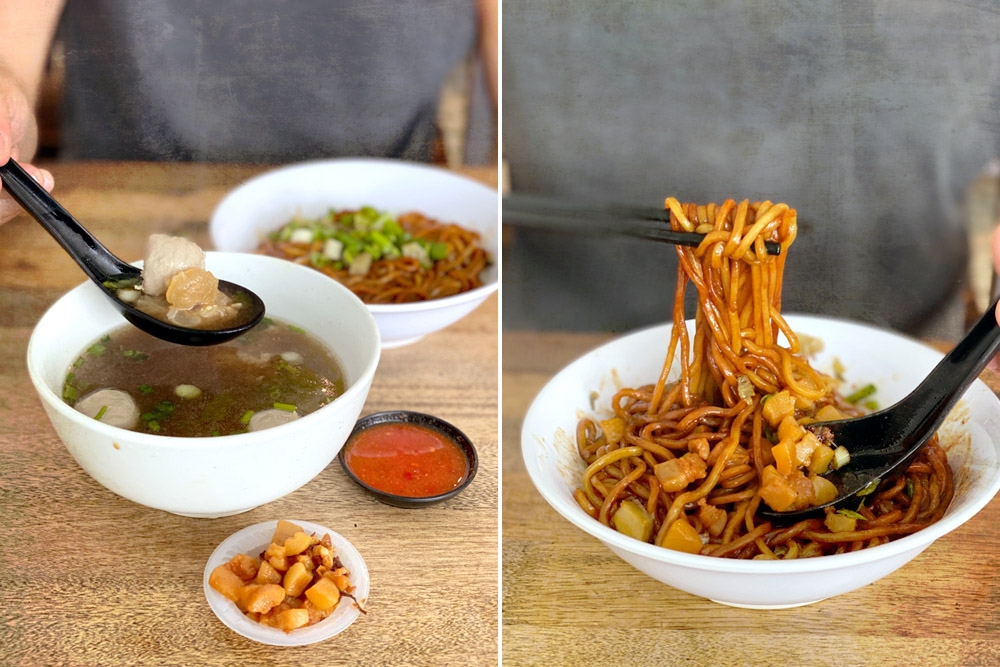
x,y
534,212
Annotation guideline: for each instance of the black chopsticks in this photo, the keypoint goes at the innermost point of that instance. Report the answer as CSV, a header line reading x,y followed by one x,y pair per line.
x,y
535,212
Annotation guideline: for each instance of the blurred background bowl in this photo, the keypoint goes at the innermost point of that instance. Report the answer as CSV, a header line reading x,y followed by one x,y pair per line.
x,y
895,364
212,476
266,202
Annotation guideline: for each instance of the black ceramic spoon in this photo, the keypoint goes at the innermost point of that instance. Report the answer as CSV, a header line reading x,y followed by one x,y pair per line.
x,y
883,443
110,272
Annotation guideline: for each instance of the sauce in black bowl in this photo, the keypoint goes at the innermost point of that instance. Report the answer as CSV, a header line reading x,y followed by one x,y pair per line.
x,y
409,459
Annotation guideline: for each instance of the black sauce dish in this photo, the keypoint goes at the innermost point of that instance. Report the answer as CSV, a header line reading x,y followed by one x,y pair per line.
x,y
440,426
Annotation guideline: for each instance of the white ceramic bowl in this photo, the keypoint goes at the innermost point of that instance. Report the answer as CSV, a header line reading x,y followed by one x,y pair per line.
x,y
895,364
212,477
254,539
266,202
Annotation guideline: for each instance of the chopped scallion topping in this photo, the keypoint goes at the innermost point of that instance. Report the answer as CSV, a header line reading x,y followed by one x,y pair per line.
x,y
188,391
861,394
870,489
100,413
347,235
285,407
841,457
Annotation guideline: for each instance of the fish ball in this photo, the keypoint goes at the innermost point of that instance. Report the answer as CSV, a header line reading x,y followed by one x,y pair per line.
x,y
165,257
271,417
115,407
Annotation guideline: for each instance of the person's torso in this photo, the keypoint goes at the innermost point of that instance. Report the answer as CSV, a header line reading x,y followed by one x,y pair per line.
x,y
868,118
257,81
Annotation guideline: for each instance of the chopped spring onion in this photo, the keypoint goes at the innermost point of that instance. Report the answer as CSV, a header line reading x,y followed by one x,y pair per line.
x,y
285,407
810,345
438,251
344,236
245,419
333,249
291,357
744,388
870,489
841,457
416,251
861,394
100,413
851,514
301,235
360,264
187,391
129,295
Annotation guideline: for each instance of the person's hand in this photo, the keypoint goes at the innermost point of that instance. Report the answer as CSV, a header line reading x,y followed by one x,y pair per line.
x,y
996,261
18,138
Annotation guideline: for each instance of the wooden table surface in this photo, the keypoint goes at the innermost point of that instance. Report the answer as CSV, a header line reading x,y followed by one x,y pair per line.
x,y
568,600
88,578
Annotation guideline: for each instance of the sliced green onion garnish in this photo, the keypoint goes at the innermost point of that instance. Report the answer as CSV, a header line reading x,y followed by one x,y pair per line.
x,y
285,407
841,457
245,419
438,250
368,230
188,391
100,413
861,394
868,490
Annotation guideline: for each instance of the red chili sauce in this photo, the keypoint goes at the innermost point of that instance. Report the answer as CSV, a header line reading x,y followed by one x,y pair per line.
x,y
406,460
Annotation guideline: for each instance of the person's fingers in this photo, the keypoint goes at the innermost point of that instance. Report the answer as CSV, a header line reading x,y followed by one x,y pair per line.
x,y
43,176
10,208
996,249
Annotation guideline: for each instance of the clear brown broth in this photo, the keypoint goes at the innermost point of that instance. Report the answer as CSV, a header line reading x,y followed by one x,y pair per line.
x,y
232,386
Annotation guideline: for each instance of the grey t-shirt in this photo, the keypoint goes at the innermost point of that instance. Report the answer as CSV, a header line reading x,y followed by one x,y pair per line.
x,y
257,81
869,118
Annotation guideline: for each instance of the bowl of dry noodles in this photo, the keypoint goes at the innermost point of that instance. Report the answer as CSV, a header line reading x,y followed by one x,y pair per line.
x,y
665,443
418,244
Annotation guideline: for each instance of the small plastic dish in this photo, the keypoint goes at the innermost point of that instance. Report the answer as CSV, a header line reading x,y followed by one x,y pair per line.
x,y
441,427
254,539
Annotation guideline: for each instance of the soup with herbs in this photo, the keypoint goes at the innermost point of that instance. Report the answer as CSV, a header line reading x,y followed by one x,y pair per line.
x,y
271,375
